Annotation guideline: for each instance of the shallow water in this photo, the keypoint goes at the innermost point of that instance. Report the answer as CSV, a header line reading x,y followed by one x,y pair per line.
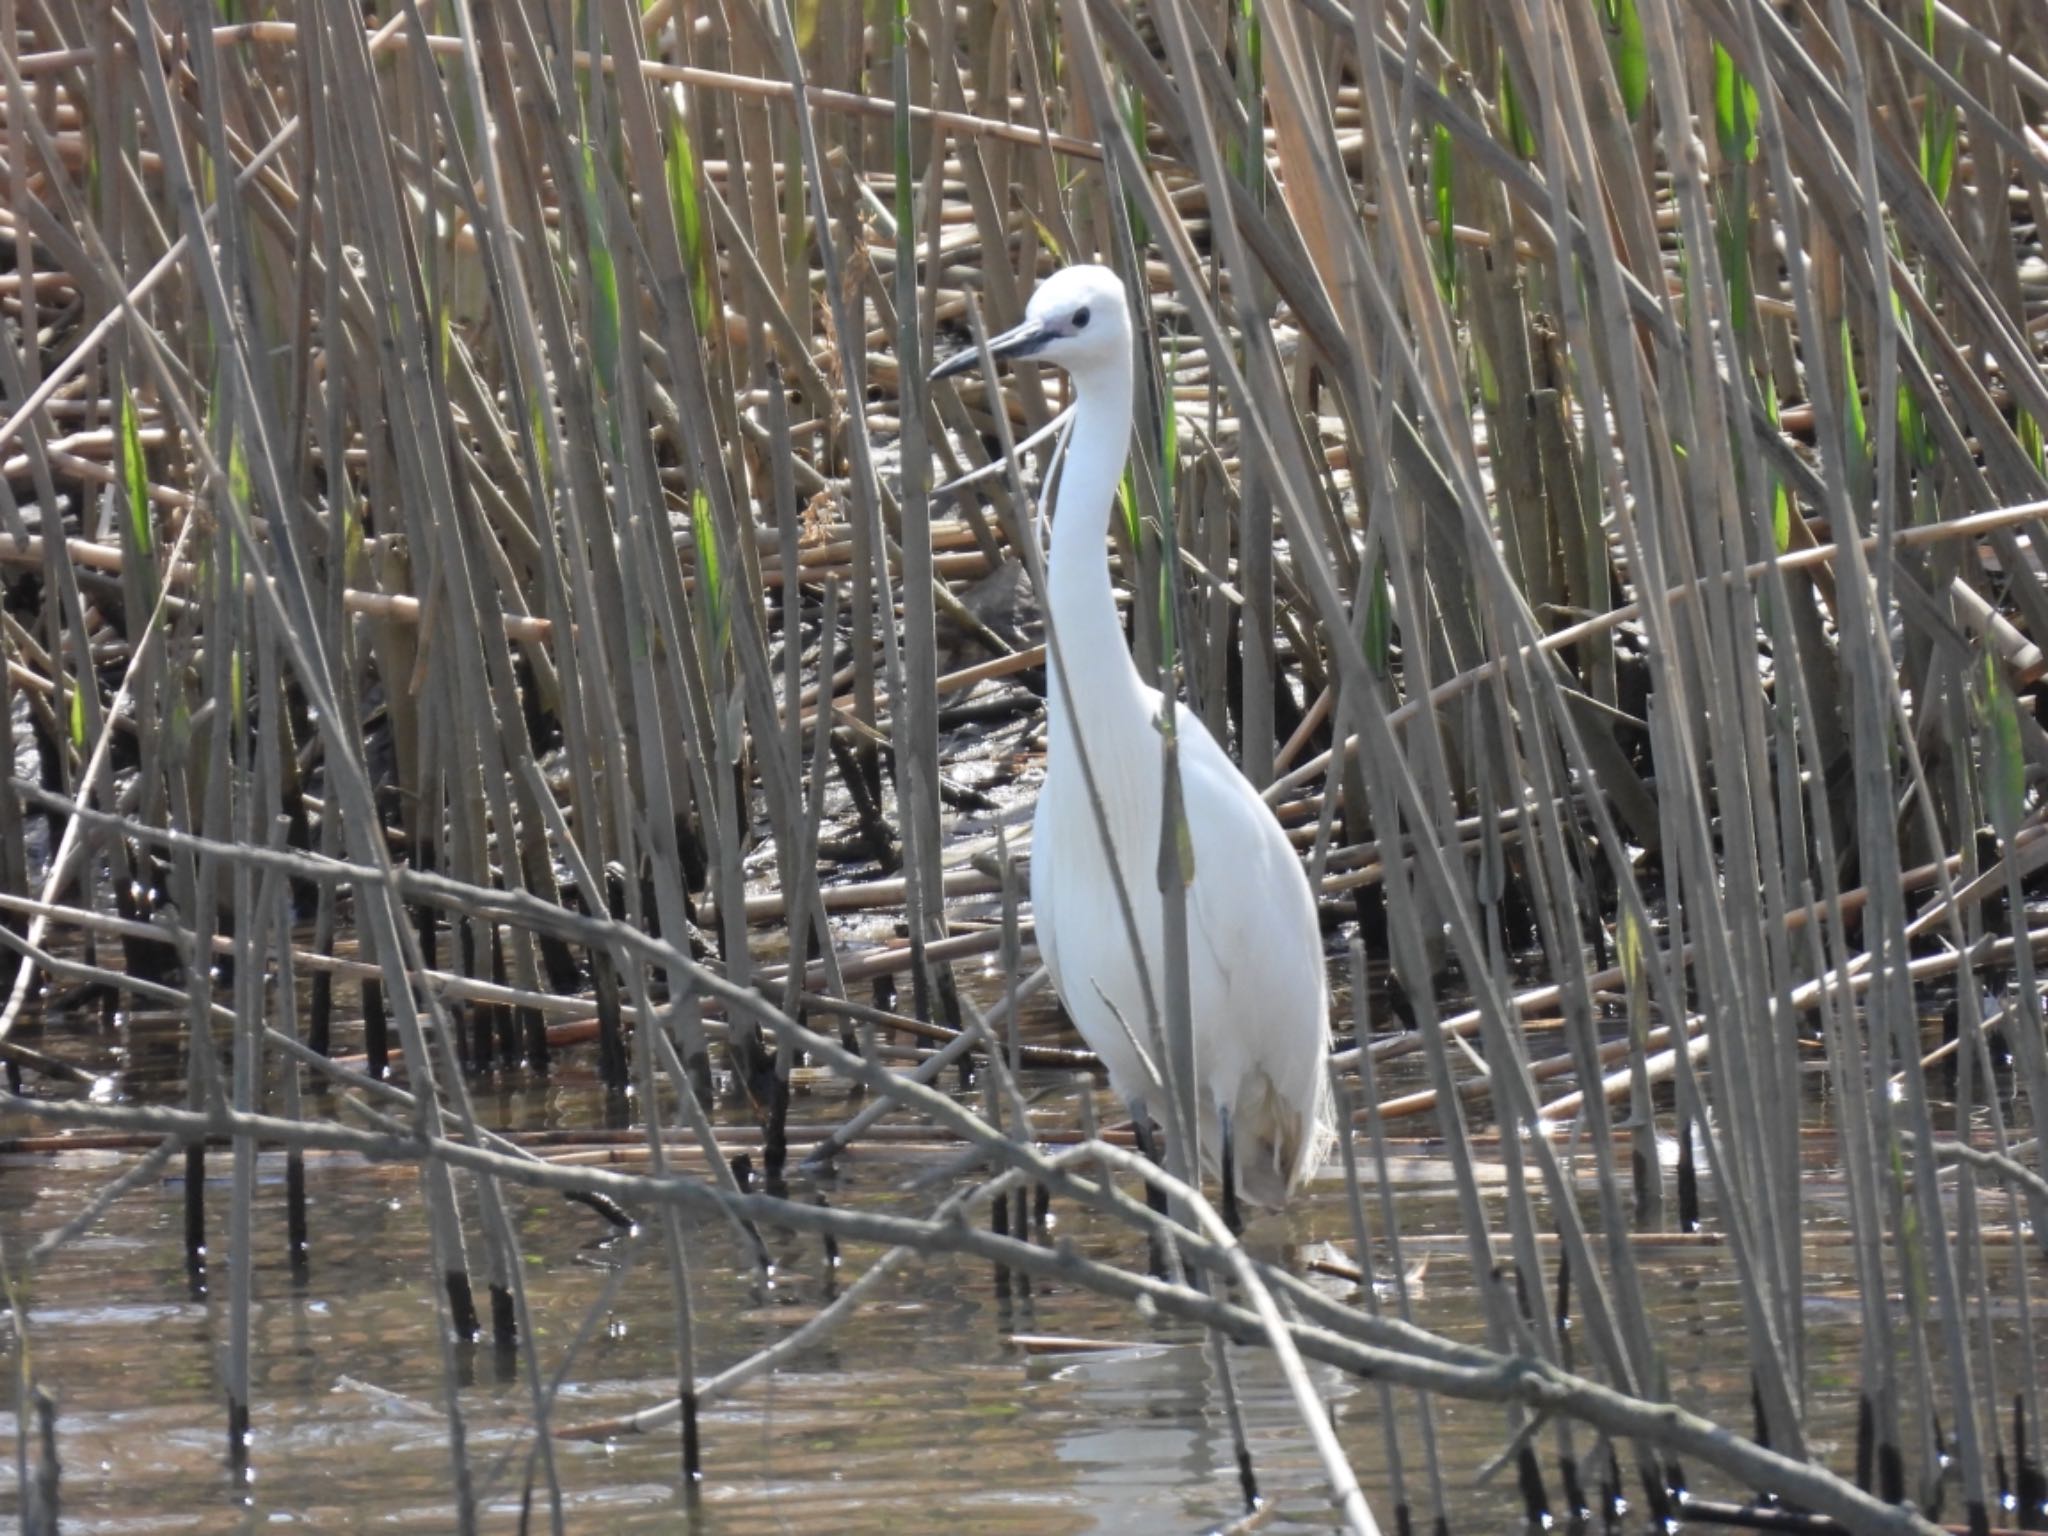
x,y
921,1415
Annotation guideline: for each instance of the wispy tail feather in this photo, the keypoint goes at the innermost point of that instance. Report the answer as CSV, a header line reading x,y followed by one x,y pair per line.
x,y
1276,1146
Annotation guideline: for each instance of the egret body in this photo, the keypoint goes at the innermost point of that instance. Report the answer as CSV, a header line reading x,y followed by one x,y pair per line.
x,y
1257,995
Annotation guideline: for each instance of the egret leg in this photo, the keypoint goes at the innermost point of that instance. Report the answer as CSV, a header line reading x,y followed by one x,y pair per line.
x,y
1232,1217
1155,1197
1148,1144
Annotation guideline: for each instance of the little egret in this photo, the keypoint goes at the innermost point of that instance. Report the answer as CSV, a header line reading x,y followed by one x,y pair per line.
x,y
1257,995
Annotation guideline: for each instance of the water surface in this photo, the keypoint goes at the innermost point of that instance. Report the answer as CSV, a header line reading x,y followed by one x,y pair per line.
x,y
921,1415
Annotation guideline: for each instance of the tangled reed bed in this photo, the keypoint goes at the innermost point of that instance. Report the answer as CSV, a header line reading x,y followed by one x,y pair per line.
x,y
468,535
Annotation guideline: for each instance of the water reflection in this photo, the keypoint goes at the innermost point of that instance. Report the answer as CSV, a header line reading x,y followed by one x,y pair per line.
x,y
918,1417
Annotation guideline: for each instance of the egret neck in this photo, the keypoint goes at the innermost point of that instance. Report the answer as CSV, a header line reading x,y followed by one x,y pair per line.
x,y
1108,695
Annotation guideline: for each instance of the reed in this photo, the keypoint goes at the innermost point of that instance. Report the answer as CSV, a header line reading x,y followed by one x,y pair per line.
x,y
469,528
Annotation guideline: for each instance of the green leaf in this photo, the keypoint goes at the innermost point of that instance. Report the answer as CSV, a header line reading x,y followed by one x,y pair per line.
x,y
181,723
1631,56
706,533
1914,435
135,474
1938,144
2005,763
1247,151
1379,616
604,324
536,426
1442,157
241,485
1781,499
1939,123
1631,950
1939,140
1133,106
1735,109
1047,239
710,577
78,714
1521,133
1169,425
1731,236
685,198
1489,378
1852,392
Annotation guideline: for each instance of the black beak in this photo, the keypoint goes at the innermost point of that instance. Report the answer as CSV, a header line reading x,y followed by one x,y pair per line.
x,y
1021,341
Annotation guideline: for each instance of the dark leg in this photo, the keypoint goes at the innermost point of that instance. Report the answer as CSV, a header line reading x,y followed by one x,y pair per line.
x,y
1155,1197
1232,1217
1148,1144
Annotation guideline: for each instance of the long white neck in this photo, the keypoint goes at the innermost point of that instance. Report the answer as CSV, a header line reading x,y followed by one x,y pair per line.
x,y
1105,684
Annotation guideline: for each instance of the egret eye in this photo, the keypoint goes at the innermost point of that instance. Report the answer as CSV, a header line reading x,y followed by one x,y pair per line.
x,y
1081,318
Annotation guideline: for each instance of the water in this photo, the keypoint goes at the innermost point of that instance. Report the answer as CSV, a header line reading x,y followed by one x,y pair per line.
x,y
920,1415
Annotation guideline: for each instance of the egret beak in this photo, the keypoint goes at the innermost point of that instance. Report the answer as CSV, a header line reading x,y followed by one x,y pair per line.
x,y
1019,341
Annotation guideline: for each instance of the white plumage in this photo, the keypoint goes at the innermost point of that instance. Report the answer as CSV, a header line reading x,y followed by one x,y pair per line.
x,y
1258,997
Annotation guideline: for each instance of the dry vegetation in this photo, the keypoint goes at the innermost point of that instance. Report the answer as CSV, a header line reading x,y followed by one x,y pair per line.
x,y
467,547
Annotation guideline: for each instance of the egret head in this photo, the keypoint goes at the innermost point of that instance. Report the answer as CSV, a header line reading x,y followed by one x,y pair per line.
x,y
1078,319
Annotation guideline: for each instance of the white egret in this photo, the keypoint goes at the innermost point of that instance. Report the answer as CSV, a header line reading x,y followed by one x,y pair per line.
x,y
1257,994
